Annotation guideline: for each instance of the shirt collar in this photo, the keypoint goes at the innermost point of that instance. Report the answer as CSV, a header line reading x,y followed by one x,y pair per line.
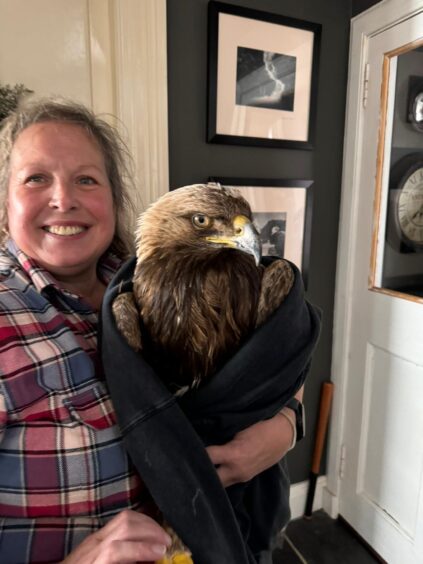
x,y
41,278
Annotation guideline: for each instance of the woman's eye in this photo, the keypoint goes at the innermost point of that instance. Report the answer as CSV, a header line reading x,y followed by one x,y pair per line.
x,y
35,179
88,180
200,220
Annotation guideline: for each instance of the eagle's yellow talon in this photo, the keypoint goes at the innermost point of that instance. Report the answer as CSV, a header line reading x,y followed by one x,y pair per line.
x,y
181,558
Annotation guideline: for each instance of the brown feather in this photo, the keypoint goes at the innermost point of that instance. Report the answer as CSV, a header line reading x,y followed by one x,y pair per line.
x,y
196,322
127,319
276,283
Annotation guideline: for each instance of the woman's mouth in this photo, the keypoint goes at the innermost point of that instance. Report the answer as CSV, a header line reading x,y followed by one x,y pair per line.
x,y
64,230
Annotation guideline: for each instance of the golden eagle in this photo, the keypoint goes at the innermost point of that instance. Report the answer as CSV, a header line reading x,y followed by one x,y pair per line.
x,y
199,289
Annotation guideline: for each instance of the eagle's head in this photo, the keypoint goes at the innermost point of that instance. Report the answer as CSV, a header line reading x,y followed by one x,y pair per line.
x,y
197,220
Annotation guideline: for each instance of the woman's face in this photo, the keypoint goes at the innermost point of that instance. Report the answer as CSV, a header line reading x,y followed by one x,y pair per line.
x,y
60,206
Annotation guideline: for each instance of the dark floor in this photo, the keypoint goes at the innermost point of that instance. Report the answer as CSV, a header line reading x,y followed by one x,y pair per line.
x,y
321,540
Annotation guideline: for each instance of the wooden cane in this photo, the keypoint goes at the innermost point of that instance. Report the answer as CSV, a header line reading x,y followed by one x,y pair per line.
x,y
322,425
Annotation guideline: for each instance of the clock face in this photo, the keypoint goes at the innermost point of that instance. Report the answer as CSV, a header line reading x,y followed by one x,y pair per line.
x,y
410,207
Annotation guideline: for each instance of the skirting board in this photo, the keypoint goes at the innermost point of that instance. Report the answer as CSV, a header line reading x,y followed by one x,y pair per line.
x,y
298,497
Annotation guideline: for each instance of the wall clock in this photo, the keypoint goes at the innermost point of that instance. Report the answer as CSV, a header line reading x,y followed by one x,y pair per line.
x,y
405,213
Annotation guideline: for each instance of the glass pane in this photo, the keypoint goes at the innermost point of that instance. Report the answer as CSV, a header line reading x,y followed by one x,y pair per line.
x,y
402,268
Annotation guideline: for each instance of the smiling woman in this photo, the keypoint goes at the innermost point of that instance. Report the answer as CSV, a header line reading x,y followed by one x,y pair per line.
x,y
64,473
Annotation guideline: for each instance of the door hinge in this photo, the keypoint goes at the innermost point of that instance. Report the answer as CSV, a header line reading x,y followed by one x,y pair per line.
x,y
342,461
366,84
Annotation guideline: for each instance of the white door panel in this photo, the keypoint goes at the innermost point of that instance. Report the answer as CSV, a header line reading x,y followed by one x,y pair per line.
x,y
386,443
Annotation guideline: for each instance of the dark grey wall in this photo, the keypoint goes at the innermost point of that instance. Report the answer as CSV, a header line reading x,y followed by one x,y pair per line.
x,y
359,6
193,160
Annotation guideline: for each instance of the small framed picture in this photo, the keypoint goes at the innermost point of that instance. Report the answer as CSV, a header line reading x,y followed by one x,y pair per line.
x,y
262,78
282,211
415,102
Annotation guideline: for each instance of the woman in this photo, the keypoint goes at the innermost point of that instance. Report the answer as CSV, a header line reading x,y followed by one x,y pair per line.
x,y
67,488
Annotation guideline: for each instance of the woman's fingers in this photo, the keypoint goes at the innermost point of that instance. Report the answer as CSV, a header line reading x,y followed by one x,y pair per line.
x,y
130,525
252,450
222,458
128,552
129,537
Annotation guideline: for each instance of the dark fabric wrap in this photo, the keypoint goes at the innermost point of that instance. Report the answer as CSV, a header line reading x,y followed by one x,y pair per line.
x,y
165,436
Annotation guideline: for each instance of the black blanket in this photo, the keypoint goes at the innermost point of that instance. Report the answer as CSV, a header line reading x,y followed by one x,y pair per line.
x,y
165,436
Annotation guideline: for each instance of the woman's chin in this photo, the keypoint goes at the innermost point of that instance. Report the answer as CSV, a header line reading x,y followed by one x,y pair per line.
x,y
68,264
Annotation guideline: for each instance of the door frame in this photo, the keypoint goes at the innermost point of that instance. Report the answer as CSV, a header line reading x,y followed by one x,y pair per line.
x,y
377,19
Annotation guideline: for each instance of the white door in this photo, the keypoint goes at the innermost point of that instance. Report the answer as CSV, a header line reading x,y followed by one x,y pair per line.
x,y
376,466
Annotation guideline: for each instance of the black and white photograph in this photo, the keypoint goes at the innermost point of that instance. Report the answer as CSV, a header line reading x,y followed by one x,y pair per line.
x,y
265,79
262,78
272,229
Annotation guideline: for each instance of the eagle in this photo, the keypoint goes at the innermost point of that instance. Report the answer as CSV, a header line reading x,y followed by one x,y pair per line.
x,y
199,289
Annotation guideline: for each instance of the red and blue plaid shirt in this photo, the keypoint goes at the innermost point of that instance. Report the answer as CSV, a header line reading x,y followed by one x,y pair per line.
x,y
63,468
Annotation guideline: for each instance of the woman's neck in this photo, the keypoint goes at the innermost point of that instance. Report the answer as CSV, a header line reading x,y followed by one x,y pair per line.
x,y
87,285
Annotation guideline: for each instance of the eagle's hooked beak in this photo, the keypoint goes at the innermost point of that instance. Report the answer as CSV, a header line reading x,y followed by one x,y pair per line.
x,y
245,238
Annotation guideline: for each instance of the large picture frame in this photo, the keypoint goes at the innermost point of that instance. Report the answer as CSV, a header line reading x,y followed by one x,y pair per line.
x,y
282,212
262,78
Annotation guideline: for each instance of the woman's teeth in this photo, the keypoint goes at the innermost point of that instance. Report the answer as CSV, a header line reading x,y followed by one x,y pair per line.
x,y
64,229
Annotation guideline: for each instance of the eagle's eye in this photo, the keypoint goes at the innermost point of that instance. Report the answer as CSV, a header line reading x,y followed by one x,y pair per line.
x,y
200,220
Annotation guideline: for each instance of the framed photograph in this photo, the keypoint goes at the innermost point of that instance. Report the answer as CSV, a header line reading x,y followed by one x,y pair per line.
x,y
282,211
415,102
262,77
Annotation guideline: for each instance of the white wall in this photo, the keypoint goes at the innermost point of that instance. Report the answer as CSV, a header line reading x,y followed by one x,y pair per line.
x,y
46,45
108,54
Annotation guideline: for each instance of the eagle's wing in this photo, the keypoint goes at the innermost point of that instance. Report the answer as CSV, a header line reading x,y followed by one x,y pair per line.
x,y
127,319
276,284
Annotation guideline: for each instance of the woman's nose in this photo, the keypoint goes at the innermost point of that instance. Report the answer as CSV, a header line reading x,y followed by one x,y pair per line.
x,y
63,195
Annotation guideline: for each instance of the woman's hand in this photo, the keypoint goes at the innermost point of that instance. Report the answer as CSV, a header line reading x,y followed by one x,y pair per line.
x,y
252,450
129,537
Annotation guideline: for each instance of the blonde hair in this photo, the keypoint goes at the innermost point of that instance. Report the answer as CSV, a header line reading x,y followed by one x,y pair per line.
x,y
115,153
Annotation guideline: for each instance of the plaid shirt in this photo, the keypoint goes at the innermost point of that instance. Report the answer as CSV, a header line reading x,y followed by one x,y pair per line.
x,y
63,468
